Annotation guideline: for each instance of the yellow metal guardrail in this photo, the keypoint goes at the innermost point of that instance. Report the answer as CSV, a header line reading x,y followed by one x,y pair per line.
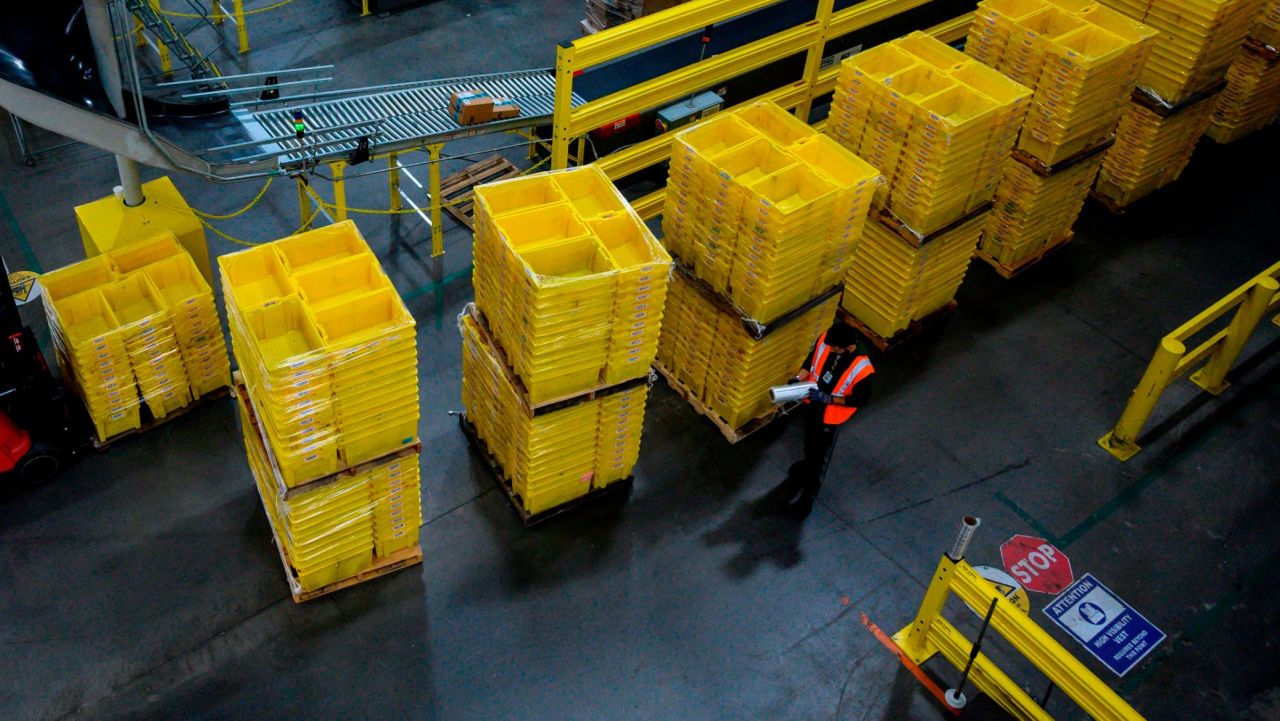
x,y
931,634
810,37
1214,357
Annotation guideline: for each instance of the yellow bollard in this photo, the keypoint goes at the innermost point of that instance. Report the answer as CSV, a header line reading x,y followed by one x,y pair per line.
x,y
216,11
1212,377
364,7
1121,442
242,30
304,204
339,168
437,232
393,181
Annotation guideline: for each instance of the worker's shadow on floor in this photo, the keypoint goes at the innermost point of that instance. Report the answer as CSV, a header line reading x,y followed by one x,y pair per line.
x,y
767,529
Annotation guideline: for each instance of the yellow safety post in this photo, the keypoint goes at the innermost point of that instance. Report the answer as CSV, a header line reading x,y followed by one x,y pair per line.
x,y
1172,360
563,107
215,10
931,634
339,168
163,50
364,7
393,181
242,29
304,204
141,38
433,187
1212,377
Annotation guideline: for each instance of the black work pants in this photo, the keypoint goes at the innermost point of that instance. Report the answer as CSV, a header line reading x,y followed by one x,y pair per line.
x,y
819,441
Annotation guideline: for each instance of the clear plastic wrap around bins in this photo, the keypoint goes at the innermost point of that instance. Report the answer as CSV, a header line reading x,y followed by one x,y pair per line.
x,y
554,457
334,530
764,208
571,281
1198,41
937,124
1034,212
327,348
1251,100
892,282
707,352
136,328
1081,59
1151,150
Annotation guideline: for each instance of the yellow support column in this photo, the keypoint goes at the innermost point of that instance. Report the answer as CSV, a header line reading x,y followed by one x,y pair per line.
x,y
560,138
1212,377
813,59
1121,442
304,204
242,29
166,64
364,7
339,168
433,187
138,31
393,181
914,639
215,10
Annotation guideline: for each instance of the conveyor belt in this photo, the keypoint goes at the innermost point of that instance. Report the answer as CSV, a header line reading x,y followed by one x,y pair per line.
x,y
398,118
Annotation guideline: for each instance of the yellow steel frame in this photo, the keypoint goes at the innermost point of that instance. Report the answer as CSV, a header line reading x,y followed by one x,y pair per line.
x,y
930,633
1251,302
219,13
810,37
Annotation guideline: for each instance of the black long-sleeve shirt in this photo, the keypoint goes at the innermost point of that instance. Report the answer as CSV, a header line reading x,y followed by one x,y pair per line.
x,y
830,374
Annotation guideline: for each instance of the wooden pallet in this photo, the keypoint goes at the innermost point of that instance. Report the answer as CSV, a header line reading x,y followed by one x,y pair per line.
x,y
1110,204
915,328
731,434
886,218
458,190
289,492
550,405
207,398
754,328
517,503
1009,271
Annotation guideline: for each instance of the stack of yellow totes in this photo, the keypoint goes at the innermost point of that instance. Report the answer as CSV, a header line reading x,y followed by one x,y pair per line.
x,y
719,366
570,289
1082,61
570,281
136,327
1251,100
937,124
1198,40
1151,149
328,355
1266,26
764,209
1034,211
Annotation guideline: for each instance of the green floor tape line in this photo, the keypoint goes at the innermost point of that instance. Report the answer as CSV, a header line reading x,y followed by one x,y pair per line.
x,y
12,222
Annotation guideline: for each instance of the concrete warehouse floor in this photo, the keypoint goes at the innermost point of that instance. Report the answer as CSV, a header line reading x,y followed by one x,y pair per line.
x,y
143,583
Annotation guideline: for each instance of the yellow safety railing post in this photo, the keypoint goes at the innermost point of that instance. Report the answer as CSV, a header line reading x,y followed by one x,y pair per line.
x,y
364,7
914,639
433,185
165,63
561,120
1212,377
393,181
813,59
215,10
339,169
139,33
242,28
304,204
1121,441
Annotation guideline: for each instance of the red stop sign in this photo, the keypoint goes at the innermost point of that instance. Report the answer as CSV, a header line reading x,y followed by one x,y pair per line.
x,y
1036,564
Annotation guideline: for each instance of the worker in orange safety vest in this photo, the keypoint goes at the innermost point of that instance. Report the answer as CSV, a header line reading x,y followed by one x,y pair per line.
x,y
842,373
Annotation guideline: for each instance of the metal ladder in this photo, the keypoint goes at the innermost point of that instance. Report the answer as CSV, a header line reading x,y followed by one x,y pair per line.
x,y
200,66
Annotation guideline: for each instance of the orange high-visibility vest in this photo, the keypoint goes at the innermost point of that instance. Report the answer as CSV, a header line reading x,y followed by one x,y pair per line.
x,y
860,368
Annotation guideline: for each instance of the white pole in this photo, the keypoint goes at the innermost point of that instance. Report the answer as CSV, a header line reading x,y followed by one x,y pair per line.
x,y
130,183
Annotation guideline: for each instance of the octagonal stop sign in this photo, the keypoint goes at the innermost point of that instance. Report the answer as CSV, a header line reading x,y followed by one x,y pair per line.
x,y
1036,564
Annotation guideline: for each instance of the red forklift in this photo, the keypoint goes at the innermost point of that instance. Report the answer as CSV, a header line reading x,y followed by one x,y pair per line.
x,y
38,433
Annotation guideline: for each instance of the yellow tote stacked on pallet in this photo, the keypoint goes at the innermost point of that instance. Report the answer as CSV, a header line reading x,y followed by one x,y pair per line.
x,y
1177,91
763,208
1151,150
1266,26
1251,100
137,326
570,290
1082,61
939,125
723,367
936,123
328,354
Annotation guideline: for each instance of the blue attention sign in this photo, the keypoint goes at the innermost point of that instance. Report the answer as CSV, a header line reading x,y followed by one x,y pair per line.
x,y
1116,634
